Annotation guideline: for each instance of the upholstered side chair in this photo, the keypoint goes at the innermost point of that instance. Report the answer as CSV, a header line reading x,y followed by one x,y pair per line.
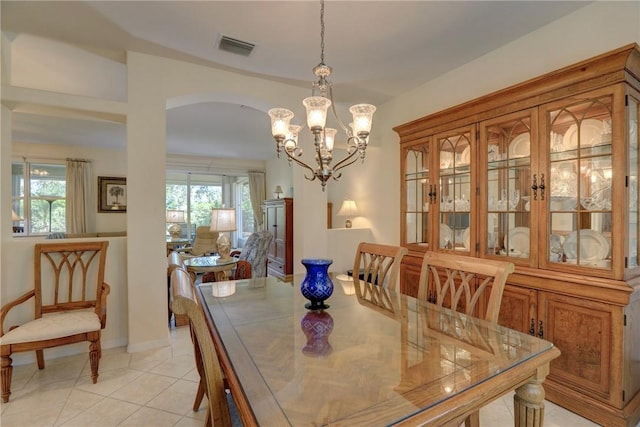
x,y
255,251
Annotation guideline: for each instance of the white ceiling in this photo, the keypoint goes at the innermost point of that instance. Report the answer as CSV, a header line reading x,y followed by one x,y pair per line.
x,y
378,49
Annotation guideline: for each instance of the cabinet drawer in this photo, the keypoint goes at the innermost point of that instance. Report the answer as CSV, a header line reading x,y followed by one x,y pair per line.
x,y
275,268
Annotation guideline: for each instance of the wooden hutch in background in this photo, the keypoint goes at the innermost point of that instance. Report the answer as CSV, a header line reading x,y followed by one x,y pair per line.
x,y
278,219
544,174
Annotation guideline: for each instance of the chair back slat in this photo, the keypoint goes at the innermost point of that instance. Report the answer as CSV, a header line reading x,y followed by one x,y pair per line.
x,y
69,276
459,282
378,264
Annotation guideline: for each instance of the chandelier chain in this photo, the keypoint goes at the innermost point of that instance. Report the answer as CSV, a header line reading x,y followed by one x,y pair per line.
x,y
322,31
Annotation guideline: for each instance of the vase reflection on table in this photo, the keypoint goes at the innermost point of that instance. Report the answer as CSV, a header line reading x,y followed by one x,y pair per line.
x,y
317,285
317,326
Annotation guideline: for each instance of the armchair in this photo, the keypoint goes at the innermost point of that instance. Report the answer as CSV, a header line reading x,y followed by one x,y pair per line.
x,y
70,300
203,244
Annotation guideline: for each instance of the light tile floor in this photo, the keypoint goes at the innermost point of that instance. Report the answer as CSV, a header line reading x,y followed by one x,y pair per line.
x,y
153,388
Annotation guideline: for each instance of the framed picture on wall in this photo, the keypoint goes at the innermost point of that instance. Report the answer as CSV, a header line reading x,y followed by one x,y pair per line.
x,y
112,194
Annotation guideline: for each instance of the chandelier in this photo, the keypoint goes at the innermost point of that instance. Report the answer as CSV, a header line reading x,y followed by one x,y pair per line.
x,y
317,105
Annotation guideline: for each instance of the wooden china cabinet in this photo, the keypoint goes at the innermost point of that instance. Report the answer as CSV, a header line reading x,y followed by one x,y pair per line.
x,y
278,219
544,174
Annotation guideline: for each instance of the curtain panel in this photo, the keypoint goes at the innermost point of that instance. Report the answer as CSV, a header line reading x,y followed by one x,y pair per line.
x,y
257,193
77,203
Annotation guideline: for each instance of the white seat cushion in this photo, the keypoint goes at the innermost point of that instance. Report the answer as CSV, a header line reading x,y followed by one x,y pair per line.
x,y
53,326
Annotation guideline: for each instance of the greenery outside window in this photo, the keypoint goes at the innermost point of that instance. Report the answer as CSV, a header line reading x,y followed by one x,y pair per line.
x,y
38,197
197,193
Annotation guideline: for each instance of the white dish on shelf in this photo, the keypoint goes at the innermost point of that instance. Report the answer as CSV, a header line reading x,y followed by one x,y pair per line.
x,y
520,146
517,240
466,238
446,159
465,157
570,139
593,245
563,203
591,131
446,235
590,134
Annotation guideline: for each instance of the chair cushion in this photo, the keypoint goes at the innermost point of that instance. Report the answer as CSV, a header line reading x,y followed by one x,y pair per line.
x,y
53,326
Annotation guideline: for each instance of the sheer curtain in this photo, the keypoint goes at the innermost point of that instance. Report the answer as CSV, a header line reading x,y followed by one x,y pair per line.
x,y
78,185
257,195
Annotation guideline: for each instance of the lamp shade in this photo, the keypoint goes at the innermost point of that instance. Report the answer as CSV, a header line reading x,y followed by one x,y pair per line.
x,y
15,216
348,208
223,219
175,216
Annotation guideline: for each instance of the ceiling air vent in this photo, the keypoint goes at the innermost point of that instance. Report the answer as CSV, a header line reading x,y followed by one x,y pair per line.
x,y
236,46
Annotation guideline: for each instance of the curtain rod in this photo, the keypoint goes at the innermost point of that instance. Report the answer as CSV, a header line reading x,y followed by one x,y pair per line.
x,y
60,159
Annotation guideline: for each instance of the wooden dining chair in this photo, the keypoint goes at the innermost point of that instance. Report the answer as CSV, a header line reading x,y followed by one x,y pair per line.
x,y
70,301
174,260
212,382
378,264
242,271
459,282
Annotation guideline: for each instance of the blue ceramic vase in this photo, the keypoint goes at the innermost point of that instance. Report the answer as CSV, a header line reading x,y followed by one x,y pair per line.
x,y
317,285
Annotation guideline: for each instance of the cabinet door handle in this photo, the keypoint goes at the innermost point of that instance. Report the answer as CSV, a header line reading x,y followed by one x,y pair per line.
x,y
541,187
532,329
432,193
534,186
540,330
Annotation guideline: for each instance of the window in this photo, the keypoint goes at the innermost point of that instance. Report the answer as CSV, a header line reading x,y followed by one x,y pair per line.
x,y
38,197
197,193
246,219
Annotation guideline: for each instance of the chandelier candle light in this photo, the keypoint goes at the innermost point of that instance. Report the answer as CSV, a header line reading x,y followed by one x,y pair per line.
x,y
223,220
175,217
286,134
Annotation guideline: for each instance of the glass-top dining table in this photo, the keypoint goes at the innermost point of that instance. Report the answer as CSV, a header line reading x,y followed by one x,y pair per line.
x,y
373,358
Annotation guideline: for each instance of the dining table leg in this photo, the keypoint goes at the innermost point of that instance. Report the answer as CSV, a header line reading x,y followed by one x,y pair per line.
x,y
529,400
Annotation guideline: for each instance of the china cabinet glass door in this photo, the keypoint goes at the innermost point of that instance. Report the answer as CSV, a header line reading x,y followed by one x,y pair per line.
x,y
578,189
455,151
506,181
419,195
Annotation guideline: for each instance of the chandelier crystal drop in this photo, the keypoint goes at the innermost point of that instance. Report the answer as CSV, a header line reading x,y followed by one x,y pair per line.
x,y
317,106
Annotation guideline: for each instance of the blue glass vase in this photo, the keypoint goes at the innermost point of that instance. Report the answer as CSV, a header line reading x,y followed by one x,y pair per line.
x,y
317,285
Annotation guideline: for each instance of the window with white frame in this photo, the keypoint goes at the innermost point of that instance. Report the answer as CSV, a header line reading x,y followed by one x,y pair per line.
x,y
38,191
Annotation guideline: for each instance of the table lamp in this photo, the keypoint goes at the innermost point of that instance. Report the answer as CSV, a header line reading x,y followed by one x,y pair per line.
x,y
223,220
175,217
15,216
348,209
278,191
